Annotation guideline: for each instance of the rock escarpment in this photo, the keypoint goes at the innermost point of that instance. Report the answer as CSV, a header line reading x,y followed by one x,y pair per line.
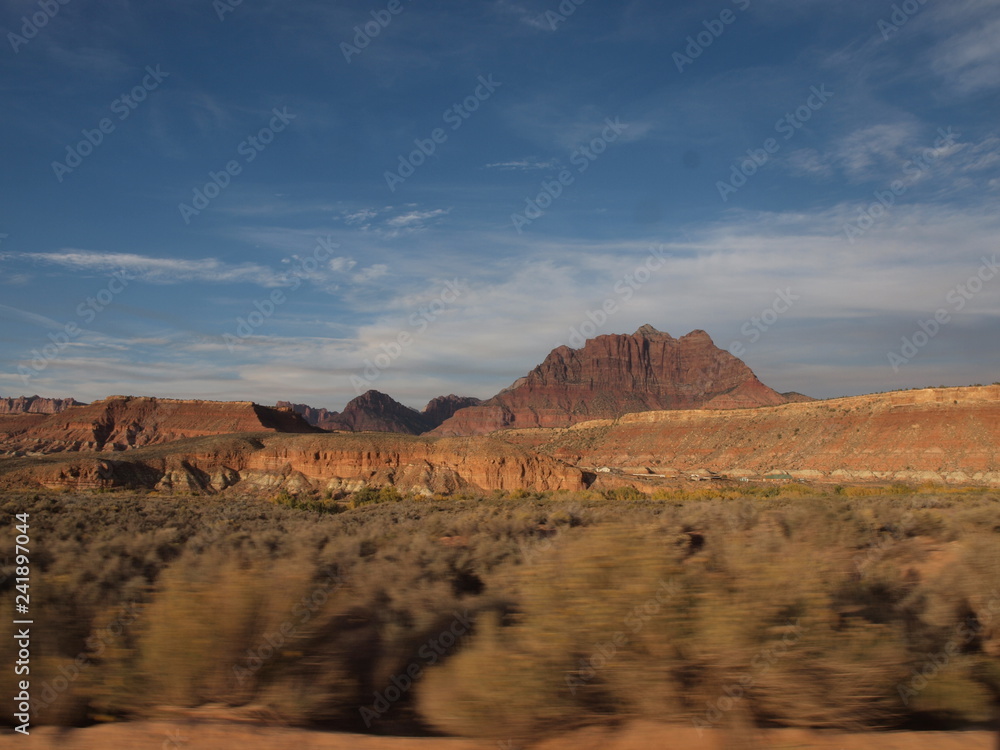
x,y
269,462
124,422
36,405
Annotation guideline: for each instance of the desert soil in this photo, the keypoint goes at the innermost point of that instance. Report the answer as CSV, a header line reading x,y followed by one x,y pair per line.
x,y
171,735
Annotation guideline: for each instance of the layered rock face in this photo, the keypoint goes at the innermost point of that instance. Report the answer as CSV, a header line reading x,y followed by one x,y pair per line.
x,y
940,435
36,405
615,375
337,462
123,422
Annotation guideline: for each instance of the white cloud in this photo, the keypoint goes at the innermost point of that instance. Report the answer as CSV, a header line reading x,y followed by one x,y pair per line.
x,y
157,270
416,218
525,164
342,265
370,273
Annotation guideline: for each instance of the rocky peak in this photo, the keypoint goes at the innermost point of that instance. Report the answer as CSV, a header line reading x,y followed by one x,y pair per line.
x,y
617,374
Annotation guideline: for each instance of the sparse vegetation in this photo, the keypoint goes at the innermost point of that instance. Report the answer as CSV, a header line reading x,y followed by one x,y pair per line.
x,y
869,609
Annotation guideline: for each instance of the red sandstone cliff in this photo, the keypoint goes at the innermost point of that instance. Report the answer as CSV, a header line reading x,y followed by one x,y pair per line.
x,y
615,375
335,462
123,422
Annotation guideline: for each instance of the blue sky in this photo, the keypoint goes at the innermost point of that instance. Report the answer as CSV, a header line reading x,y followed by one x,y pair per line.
x,y
297,200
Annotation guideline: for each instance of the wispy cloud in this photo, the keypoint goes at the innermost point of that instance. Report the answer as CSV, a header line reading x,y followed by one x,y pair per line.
x,y
156,270
526,164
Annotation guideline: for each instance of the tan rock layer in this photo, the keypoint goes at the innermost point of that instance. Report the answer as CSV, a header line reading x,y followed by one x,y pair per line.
x,y
941,435
302,462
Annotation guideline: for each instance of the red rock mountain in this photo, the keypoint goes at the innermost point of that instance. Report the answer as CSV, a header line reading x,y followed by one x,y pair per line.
x,y
618,374
376,412
443,408
36,405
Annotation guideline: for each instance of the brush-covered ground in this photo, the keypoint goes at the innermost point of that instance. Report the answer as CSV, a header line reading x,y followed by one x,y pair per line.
x,y
754,617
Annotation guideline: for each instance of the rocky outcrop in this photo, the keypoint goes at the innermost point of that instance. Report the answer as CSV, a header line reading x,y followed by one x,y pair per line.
x,y
322,418
374,411
443,408
619,374
125,422
36,405
939,435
